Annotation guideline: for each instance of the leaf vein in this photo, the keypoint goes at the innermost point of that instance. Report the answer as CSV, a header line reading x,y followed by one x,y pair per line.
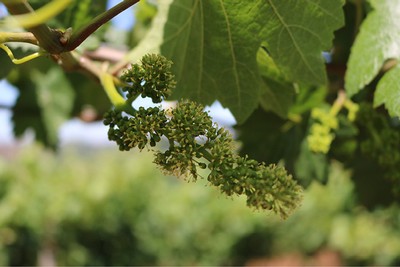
x,y
201,63
235,73
296,45
324,10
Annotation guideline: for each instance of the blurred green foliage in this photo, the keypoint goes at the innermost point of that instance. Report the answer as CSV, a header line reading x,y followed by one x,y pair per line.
x,y
112,208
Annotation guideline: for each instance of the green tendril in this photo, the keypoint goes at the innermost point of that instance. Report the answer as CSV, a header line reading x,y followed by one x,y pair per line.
x,y
21,60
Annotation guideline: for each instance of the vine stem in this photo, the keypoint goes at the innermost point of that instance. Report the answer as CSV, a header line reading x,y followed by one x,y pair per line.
x,y
80,35
339,102
49,39
60,45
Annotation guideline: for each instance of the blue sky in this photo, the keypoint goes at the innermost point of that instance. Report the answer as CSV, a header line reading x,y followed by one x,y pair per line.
x,y
76,131
8,95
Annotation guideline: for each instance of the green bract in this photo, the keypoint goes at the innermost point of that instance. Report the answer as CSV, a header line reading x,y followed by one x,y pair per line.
x,y
193,139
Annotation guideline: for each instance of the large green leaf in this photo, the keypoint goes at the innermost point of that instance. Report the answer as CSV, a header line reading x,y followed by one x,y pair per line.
x,y
214,45
378,41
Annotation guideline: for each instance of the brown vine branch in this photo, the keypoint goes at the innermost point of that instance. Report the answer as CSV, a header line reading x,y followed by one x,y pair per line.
x,y
80,35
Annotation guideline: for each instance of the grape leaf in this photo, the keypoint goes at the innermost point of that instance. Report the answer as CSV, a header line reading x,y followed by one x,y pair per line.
x,y
26,111
297,32
377,41
214,43
388,92
55,98
44,102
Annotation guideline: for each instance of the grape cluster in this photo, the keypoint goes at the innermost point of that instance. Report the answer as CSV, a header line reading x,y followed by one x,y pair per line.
x,y
195,142
143,127
266,186
326,122
321,135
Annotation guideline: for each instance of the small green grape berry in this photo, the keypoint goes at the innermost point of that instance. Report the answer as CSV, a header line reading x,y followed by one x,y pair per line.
x,y
152,78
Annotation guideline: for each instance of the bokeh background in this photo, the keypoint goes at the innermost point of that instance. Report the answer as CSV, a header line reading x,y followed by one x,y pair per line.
x,y
89,204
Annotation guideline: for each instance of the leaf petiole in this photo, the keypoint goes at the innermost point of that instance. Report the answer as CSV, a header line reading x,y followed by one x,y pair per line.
x,y
107,81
